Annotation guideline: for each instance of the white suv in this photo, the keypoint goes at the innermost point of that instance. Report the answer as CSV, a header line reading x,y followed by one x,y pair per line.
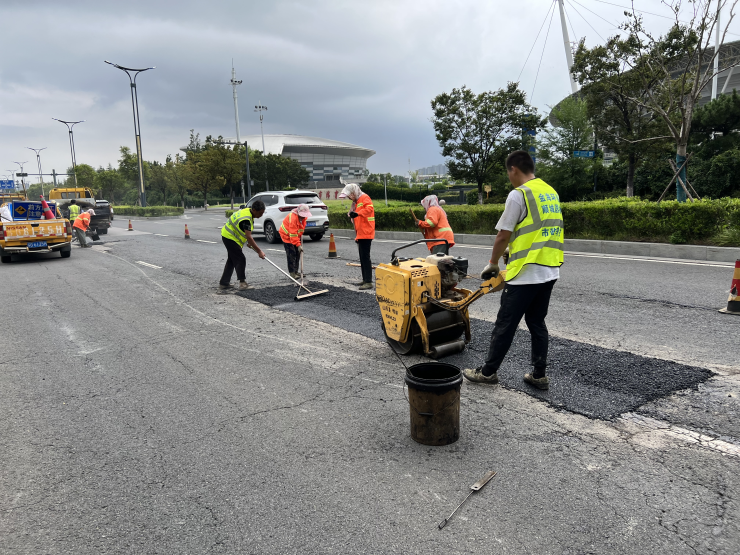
x,y
279,203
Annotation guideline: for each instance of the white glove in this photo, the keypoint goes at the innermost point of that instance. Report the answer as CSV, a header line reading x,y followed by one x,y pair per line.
x,y
490,271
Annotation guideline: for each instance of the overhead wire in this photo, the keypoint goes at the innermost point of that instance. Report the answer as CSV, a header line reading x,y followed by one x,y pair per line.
x,y
597,15
552,6
586,20
572,30
531,96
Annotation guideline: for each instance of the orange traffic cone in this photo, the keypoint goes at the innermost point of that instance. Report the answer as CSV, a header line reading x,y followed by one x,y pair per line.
x,y
733,302
130,227
48,214
332,248
187,233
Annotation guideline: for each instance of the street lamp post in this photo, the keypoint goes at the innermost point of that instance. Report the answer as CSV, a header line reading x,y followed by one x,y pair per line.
x,y
137,123
23,179
260,108
70,125
38,160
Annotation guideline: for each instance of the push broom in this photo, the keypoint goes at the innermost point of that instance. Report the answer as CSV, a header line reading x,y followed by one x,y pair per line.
x,y
298,296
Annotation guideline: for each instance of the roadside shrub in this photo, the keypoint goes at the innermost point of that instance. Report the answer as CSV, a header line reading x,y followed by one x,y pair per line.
x,y
148,211
620,219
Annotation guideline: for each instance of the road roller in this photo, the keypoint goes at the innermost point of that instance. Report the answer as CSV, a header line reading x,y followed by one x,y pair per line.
x,y
423,309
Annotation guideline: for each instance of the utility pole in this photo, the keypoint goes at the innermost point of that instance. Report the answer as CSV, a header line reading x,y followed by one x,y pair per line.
x,y
715,79
137,123
260,108
234,84
568,51
38,160
23,177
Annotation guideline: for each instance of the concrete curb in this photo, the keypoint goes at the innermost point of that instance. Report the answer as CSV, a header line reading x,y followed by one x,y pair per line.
x,y
626,248
134,218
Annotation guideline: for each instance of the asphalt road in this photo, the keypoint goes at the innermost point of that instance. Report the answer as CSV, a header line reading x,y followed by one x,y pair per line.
x,y
145,412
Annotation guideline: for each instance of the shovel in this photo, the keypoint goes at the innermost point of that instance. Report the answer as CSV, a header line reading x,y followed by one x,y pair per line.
x,y
299,297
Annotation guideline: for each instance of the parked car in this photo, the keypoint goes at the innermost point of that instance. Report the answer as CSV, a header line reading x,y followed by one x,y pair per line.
x,y
277,206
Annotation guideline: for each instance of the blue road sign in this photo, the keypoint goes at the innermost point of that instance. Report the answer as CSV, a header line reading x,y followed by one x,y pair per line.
x,y
584,153
29,209
7,184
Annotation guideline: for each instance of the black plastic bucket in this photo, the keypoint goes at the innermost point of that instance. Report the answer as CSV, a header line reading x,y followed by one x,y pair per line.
x,y
434,402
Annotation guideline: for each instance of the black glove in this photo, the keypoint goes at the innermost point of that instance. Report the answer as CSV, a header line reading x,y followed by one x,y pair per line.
x,y
353,214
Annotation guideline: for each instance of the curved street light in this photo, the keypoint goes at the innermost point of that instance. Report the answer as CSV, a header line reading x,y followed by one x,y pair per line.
x,y
38,160
70,125
137,122
260,108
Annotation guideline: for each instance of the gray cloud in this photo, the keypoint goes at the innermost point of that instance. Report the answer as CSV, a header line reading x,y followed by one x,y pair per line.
x,y
361,72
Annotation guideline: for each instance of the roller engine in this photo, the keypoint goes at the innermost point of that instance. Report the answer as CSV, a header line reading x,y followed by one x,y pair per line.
x,y
422,307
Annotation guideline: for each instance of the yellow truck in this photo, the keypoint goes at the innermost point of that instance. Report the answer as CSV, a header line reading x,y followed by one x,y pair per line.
x,y
100,222
23,230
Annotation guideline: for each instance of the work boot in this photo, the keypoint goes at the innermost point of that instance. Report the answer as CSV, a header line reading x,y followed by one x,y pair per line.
x,y
222,286
365,286
295,275
475,375
539,383
243,285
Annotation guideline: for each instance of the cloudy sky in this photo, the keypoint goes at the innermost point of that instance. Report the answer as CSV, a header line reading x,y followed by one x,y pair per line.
x,y
363,72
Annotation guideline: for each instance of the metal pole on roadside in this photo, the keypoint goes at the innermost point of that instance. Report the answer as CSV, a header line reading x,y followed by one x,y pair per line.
x,y
70,125
137,123
260,108
385,188
23,179
249,179
38,160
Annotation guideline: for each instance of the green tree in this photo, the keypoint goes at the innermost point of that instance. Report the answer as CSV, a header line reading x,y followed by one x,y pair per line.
x,y
85,176
622,125
555,146
675,67
714,124
476,132
128,167
282,172
110,184
176,174
228,163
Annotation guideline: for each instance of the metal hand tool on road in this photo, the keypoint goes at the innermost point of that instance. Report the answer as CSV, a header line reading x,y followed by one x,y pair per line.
x,y
475,487
300,285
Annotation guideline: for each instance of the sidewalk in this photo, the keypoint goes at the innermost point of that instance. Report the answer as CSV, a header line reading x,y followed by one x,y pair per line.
x,y
625,248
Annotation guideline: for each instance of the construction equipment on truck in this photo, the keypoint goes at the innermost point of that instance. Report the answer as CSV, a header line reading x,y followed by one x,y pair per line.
x,y
84,198
422,307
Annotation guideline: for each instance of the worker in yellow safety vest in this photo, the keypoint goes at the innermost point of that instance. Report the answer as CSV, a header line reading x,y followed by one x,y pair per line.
x,y
236,232
532,228
74,211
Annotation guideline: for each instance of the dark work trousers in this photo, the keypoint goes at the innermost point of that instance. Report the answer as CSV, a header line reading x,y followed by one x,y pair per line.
x,y
294,256
443,248
236,260
530,301
363,245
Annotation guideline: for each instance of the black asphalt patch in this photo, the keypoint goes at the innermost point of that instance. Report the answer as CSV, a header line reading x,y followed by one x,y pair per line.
x,y
585,379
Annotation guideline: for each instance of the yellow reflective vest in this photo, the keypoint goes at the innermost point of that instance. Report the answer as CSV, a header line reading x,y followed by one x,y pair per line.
x,y
232,229
74,211
538,239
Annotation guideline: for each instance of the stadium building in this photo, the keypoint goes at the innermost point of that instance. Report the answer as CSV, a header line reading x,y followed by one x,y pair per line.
x,y
327,161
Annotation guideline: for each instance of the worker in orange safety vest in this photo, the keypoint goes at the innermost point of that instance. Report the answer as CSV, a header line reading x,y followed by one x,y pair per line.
x,y
291,232
435,225
362,215
81,225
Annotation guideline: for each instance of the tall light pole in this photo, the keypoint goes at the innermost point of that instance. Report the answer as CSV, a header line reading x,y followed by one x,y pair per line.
x,y
234,85
137,123
70,125
568,51
38,160
23,179
260,108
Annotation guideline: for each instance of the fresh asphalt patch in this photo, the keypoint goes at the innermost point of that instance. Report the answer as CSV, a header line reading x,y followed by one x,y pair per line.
x,y
585,379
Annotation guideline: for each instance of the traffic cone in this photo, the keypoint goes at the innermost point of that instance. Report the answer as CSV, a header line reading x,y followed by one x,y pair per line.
x,y
48,214
733,302
187,233
130,227
332,248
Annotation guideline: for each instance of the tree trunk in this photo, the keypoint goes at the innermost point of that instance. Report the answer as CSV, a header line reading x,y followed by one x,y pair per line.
x,y
231,189
632,162
680,159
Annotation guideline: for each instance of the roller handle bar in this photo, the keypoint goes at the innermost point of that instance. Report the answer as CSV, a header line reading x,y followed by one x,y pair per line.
x,y
393,254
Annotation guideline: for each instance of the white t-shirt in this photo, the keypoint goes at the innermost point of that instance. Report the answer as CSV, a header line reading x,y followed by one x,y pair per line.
x,y
514,212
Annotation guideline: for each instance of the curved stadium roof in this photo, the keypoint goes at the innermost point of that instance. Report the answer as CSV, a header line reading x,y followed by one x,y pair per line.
x,y
279,144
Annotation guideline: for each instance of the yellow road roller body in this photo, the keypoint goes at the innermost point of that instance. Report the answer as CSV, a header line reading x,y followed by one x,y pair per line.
x,y
422,307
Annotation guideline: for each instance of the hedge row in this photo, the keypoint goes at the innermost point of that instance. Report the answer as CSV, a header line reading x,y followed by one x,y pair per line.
x,y
704,222
148,211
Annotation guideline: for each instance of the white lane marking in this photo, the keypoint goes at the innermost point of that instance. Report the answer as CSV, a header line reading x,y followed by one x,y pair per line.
x,y
161,235
148,265
204,241
276,250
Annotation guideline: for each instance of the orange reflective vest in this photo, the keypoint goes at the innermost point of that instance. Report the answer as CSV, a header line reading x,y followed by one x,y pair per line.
x,y
365,221
292,228
82,221
436,226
